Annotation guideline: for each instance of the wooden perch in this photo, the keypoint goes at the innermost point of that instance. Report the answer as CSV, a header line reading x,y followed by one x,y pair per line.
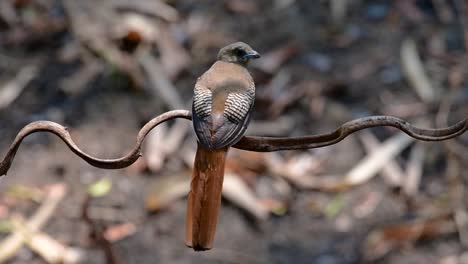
x,y
251,143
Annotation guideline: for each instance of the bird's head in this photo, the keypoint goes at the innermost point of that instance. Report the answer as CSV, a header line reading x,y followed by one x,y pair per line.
x,y
238,52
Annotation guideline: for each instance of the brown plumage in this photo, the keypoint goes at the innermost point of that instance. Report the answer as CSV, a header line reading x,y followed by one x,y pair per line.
x,y
223,99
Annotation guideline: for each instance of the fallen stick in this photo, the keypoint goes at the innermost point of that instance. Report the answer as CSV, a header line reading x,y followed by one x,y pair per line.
x,y
374,162
162,87
392,172
174,187
237,191
414,170
11,90
51,250
14,242
414,71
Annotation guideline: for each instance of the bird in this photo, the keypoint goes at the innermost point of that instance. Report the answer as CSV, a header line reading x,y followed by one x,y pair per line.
x,y
222,104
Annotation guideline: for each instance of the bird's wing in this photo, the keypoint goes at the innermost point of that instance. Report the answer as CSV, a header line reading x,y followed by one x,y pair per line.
x,y
239,104
201,111
223,98
202,100
237,117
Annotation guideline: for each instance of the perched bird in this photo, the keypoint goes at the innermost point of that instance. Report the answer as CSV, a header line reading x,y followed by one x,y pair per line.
x,y
222,103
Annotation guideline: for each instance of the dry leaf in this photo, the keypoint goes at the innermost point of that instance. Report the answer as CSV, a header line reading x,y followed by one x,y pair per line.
x,y
242,6
166,190
155,8
244,163
118,232
100,188
381,241
132,24
301,169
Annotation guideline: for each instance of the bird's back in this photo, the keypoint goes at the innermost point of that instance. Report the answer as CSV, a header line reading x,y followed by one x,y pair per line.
x,y
223,97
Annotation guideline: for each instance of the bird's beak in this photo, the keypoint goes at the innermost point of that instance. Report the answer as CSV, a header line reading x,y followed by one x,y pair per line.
x,y
252,55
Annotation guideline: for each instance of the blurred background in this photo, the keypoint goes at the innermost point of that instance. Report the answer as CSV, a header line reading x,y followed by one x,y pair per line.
x,y
104,68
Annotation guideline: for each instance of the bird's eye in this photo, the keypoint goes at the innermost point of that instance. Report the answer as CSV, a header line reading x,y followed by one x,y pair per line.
x,y
239,52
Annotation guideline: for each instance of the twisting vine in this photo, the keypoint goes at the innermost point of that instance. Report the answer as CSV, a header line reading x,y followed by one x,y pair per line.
x,y
250,143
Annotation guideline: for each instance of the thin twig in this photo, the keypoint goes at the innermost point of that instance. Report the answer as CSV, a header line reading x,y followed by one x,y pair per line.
x,y
97,233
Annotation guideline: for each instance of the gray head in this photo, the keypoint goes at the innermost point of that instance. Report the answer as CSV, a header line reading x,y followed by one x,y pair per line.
x,y
238,52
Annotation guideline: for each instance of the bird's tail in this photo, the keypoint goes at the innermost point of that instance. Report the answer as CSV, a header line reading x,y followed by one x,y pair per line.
x,y
204,199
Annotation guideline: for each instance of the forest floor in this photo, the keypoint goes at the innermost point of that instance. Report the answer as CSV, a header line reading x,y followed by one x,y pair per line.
x,y
105,69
